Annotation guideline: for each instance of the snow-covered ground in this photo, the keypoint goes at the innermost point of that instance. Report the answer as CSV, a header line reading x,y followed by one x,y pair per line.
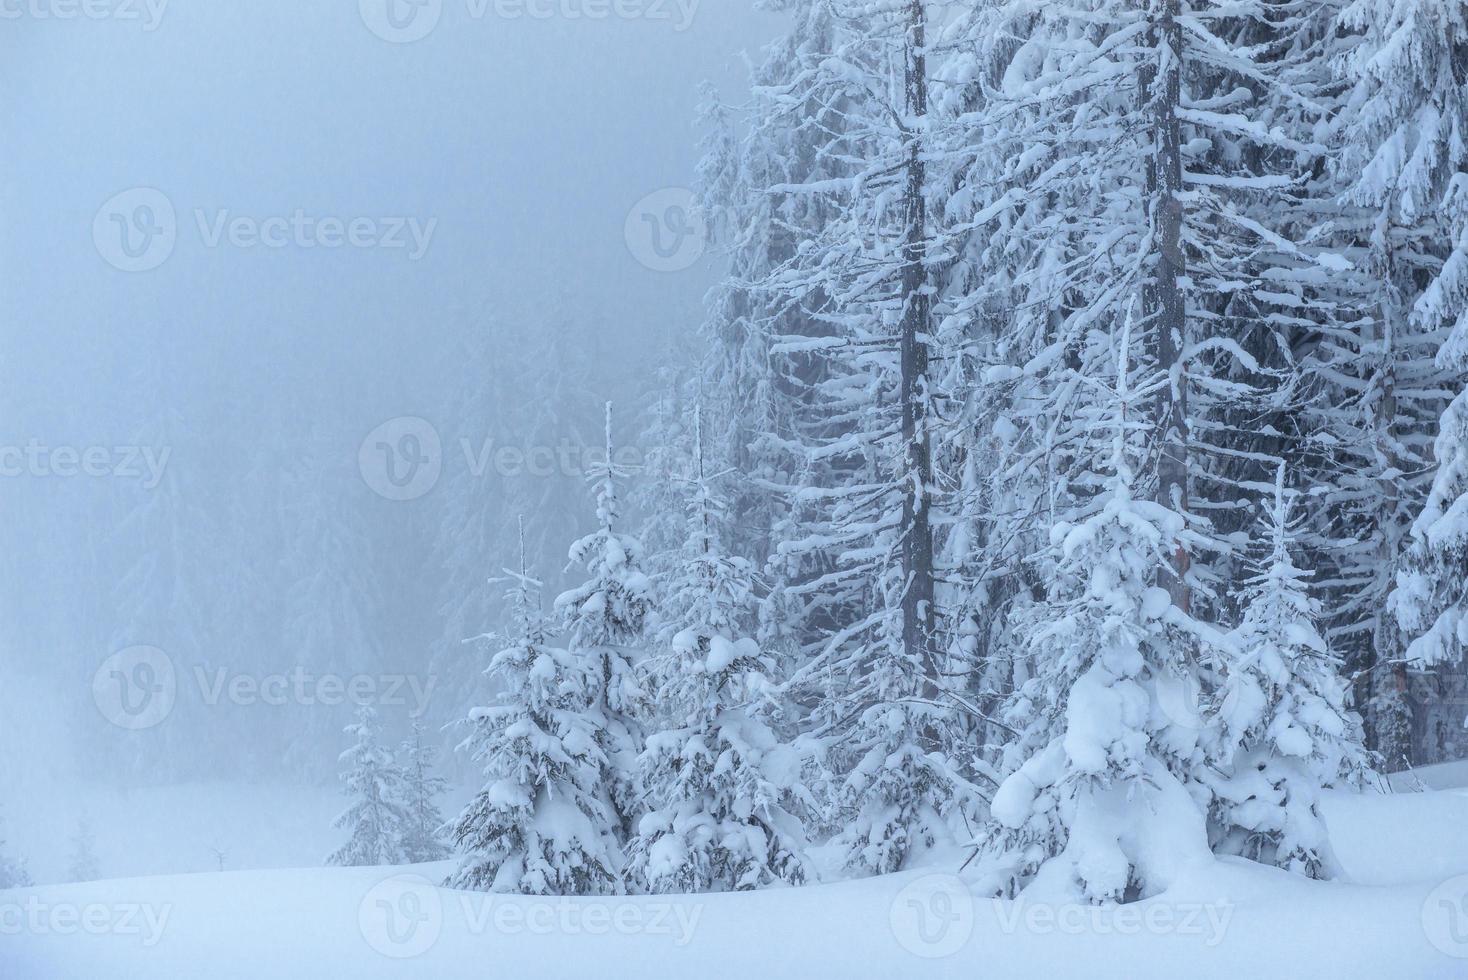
x,y
1404,913
175,829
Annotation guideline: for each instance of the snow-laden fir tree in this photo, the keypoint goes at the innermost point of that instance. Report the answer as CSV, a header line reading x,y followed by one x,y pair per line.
x,y
1100,802
1432,596
1413,58
423,823
761,393
1092,157
604,620
723,796
1398,138
1285,730
853,576
83,864
376,819
658,496
542,823
332,603
167,592
469,501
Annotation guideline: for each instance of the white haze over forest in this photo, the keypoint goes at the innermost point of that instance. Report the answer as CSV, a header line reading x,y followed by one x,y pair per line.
x,y
259,370
733,488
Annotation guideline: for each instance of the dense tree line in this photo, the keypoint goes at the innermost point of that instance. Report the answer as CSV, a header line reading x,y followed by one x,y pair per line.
x,y
1079,435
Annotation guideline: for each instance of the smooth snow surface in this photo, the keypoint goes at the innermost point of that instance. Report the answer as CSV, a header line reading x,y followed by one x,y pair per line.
x,y
1403,914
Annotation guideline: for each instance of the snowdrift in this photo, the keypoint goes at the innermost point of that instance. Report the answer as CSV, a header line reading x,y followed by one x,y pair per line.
x,y
1403,913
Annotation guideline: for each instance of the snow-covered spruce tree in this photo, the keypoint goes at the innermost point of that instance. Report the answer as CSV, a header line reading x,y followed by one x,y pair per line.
x,y
657,498
1102,156
1285,729
1431,601
722,794
166,591
469,504
333,601
83,861
781,347
1399,144
605,619
422,830
376,819
1414,64
997,456
855,578
542,824
518,387
760,395
557,359
1100,802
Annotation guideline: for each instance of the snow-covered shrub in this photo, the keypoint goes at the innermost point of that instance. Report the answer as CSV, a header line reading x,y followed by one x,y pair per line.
x,y
422,831
541,825
376,819
1284,727
604,620
722,793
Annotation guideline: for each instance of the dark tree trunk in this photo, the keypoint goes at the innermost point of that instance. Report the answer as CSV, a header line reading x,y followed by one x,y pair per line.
x,y
1162,298
917,531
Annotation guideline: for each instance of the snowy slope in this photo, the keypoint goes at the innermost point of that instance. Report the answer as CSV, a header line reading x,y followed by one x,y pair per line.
x,y
174,829
1444,775
1222,919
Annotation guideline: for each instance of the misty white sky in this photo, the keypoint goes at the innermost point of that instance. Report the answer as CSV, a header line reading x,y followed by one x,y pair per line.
x,y
524,143
527,140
